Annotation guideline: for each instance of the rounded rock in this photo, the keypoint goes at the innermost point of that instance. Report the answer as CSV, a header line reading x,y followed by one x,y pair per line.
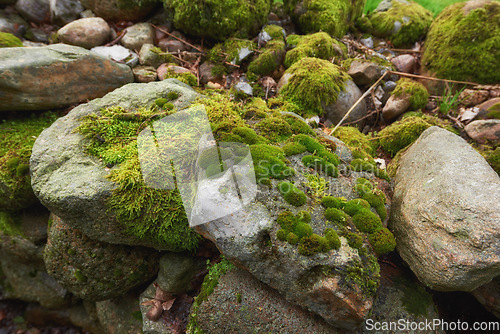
x,y
86,33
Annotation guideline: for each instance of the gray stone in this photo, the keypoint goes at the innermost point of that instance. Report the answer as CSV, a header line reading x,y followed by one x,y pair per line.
x,y
86,33
177,271
138,35
12,23
172,45
72,184
368,42
34,10
145,74
119,10
206,73
364,72
484,131
149,57
243,88
395,106
404,63
489,296
149,326
95,270
345,100
446,213
55,76
117,53
472,97
242,304
120,315
65,11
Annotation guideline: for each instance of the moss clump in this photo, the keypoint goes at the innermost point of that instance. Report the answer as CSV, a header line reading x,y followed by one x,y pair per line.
x,y
366,221
313,244
354,240
153,215
274,128
377,200
9,41
360,144
230,51
270,58
336,216
292,194
403,23
172,96
219,19
318,45
332,238
462,43
416,300
269,162
312,83
293,148
215,272
402,133
332,17
382,241
365,274
293,40
287,220
282,235
418,93
315,147
17,137
276,32
292,238
187,77
321,165
332,202
304,216
493,158
302,230
9,224
355,205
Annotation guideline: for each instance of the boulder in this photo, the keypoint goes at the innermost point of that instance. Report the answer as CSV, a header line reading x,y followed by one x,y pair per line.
x,y
489,296
94,270
37,11
446,213
403,22
177,271
73,184
120,10
484,131
460,42
86,33
64,11
55,76
138,35
244,304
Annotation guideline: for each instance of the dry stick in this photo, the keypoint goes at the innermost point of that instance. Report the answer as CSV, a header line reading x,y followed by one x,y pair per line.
x,y
406,50
177,38
431,78
117,39
358,101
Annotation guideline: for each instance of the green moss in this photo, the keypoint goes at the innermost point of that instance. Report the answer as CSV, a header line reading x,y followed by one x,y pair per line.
x,y
366,221
418,93
293,40
332,202
293,148
377,200
269,162
186,77
161,102
354,240
416,300
382,241
274,128
152,215
302,230
315,147
402,133
282,235
80,276
321,165
292,194
316,186
464,46
494,111
413,18
364,274
336,216
332,17
287,220
275,31
318,45
332,238
219,19
292,238
312,83
9,41
17,137
493,158
357,142
10,224
215,272
313,244
269,59
355,205
172,96
304,216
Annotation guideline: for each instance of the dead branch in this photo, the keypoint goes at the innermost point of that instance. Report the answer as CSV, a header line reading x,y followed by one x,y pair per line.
x,y
177,38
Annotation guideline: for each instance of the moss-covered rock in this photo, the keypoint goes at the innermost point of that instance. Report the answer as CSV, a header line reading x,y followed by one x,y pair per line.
x,y
318,45
17,137
382,241
402,133
332,17
269,59
462,43
9,41
404,22
218,19
418,93
312,84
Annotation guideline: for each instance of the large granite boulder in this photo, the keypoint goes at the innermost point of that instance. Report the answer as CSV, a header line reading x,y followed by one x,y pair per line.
x,y
446,213
55,76
94,270
72,184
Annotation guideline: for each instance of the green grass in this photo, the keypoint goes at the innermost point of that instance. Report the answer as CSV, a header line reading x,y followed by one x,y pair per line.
x,y
435,6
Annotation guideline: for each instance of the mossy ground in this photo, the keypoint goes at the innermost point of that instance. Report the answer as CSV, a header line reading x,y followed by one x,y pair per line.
x,y
17,137
419,20
218,19
313,82
318,45
465,46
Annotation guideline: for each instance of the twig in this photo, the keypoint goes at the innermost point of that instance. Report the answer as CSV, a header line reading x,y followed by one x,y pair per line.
x,y
406,50
184,61
177,38
431,78
231,64
358,101
117,39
